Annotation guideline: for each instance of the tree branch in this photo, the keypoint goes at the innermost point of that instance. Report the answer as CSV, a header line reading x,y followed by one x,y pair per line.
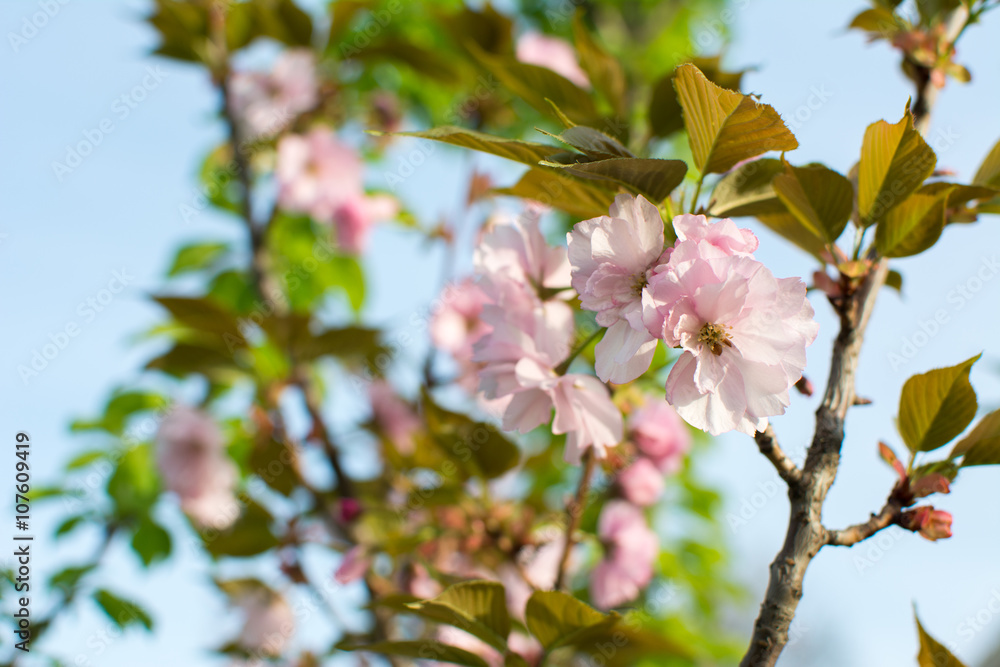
x,y
574,510
848,537
768,445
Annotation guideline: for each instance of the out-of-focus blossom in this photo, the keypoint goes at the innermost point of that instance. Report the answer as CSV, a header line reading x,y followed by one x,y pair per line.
x,y
269,622
457,324
265,103
556,54
611,258
538,569
353,565
641,482
321,176
660,435
193,462
393,416
743,331
630,551
514,250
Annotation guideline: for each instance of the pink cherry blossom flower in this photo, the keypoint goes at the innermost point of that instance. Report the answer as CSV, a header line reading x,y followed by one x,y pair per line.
x,y
354,564
723,235
556,54
641,482
743,333
660,435
269,622
512,249
630,551
266,103
192,459
319,175
538,569
393,417
611,258
456,324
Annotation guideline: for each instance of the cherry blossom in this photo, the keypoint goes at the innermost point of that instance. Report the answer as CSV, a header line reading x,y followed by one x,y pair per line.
x,y
392,416
660,435
742,331
556,54
269,622
512,249
354,565
265,103
641,483
611,258
191,456
457,324
321,176
630,551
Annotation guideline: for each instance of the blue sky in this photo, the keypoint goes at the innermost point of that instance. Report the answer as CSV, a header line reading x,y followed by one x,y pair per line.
x,y
65,235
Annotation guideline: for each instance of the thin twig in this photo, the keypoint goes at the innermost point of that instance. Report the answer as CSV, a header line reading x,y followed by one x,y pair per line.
x,y
768,445
860,532
574,510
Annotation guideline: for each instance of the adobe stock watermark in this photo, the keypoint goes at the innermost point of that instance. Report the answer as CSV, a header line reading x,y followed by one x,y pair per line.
x,y
752,505
33,24
121,108
818,97
88,309
959,297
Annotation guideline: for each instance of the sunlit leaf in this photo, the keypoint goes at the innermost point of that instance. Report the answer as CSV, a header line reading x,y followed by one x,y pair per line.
x,y
981,446
725,127
913,226
936,406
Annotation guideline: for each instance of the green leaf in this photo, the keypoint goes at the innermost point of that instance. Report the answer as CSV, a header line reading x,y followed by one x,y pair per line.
x,y
552,188
421,649
525,152
196,257
665,116
478,607
121,611
895,160
932,653
200,314
557,619
936,406
470,442
652,178
67,579
151,542
593,143
748,190
488,29
603,70
819,198
894,280
248,536
185,359
981,446
69,524
536,85
877,20
989,171
275,463
85,459
725,127
913,226
791,228
284,21
135,484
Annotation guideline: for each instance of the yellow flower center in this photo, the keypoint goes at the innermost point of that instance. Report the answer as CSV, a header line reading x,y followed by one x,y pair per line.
x,y
715,336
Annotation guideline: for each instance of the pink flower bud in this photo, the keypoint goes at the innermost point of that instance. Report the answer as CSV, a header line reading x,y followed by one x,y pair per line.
x,y
932,524
641,483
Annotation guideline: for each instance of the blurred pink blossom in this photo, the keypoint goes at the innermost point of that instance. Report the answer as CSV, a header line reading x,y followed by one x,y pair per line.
x,y
641,482
354,565
660,435
393,416
269,622
192,459
321,176
630,552
266,103
556,54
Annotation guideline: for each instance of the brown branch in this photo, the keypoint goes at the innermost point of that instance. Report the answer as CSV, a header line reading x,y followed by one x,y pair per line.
x,y
322,435
848,537
574,510
768,445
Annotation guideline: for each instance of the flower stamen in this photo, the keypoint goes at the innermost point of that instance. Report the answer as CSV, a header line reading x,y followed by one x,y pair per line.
x,y
715,336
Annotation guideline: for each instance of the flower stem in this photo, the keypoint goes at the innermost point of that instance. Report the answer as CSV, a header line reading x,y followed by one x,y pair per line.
x,y
564,366
697,193
574,510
